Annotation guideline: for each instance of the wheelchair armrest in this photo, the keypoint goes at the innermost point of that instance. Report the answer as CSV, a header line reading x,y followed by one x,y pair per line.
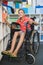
x,y
17,28
32,26
15,23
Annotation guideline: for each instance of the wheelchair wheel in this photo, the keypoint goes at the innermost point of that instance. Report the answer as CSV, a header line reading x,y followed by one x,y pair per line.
x,y
30,59
36,42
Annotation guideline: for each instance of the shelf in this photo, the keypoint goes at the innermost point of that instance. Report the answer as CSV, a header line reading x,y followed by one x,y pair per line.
x,y
42,32
26,14
13,15
41,23
34,14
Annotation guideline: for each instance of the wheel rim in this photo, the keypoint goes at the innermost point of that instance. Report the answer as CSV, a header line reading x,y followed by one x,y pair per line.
x,y
30,59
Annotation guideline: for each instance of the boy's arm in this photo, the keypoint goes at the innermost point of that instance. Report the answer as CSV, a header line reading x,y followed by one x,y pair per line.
x,y
33,22
13,26
8,23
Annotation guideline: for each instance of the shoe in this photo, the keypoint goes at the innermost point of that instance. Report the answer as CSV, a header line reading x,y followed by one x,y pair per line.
x,y
6,53
12,55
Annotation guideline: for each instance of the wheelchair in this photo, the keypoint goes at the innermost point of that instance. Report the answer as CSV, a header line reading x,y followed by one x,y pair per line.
x,y
31,42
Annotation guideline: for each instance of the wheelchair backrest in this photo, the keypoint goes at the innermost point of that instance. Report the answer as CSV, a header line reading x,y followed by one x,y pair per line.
x,y
32,26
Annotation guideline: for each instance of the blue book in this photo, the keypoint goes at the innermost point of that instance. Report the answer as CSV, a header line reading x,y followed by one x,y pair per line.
x,y
24,0
9,11
17,5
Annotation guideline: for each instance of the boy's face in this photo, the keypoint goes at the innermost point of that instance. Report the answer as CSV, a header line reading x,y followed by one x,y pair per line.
x,y
21,13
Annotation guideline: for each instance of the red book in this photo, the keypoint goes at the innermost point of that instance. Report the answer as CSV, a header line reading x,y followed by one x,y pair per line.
x,y
5,2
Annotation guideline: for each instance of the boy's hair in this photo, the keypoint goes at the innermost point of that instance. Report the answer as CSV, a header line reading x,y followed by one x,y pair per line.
x,y
22,10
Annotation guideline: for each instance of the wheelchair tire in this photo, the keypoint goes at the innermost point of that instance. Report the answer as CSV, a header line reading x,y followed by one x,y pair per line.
x,y
30,59
36,42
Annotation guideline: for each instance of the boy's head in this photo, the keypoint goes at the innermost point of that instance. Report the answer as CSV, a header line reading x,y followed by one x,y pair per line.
x,y
21,13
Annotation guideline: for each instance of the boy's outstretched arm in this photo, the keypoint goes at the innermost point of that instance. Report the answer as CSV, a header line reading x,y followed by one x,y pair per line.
x,y
33,22
13,26
8,23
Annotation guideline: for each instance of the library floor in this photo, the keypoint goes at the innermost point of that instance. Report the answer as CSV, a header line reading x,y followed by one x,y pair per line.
x,y
39,59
